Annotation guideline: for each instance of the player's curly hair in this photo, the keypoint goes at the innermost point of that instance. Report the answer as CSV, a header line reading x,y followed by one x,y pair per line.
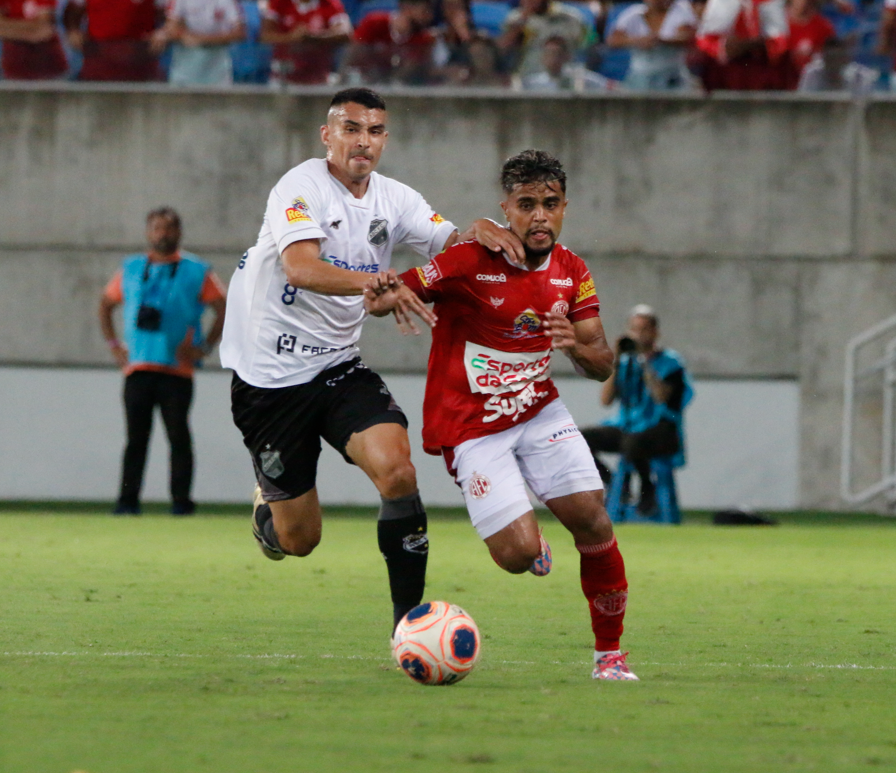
x,y
359,95
531,166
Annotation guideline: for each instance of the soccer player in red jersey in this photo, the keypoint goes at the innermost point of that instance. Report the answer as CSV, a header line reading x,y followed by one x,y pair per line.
x,y
491,408
31,46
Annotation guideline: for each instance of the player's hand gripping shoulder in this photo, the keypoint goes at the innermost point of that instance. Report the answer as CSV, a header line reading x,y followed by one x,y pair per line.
x,y
386,293
493,236
583,342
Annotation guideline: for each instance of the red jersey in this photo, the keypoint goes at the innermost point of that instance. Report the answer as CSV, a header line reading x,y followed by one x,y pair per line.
x,y
310,61
31,61
807,38
376,27
119,19
490,361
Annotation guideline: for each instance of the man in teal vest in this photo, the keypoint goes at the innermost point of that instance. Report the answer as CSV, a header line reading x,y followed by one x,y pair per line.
x,y
163,294
653,388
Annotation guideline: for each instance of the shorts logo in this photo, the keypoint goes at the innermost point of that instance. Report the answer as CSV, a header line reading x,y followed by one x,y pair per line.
x,y
416,543
298,212
479,486
586,290
491,277
271,465
571,430
437,219
526,324
429,274
560,307
378,234
562,282
612,604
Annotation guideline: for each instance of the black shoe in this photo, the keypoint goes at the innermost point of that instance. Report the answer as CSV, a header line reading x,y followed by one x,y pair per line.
x,y
187,507
647,503
125,509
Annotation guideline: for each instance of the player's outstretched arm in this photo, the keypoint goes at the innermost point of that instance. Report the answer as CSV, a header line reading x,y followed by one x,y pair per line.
x,y
584,342
305,270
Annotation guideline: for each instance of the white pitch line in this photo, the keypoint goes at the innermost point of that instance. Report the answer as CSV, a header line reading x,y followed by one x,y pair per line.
x,y
293,656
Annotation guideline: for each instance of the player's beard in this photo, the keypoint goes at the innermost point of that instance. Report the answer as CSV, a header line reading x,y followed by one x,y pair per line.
x,y
536,255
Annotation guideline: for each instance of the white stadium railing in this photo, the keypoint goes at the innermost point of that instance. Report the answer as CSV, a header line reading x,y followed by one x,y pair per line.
x,y
882,367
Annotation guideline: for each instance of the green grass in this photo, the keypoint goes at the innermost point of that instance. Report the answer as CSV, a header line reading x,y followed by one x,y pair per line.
x,y
157,644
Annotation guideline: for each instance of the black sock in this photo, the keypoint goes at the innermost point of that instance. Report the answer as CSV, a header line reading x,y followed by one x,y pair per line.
x,y
401,533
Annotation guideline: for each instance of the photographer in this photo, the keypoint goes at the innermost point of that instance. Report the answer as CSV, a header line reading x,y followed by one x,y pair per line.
x,y
164,293
653,388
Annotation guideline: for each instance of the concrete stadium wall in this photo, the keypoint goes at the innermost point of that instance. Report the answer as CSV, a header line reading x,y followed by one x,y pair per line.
x,y
760,227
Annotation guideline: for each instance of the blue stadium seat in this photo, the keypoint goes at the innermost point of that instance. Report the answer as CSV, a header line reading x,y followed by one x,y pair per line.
x,y
663,474
251,59
489,15
367,6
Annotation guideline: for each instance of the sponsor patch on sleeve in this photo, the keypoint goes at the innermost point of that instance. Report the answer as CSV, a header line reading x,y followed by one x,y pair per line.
x,y
586,290
429,274
437,218
298,212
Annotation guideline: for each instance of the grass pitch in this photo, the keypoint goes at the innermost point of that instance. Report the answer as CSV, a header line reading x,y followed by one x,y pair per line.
x,y
159,644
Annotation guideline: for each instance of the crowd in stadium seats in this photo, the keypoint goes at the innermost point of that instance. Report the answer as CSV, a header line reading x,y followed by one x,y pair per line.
x,y
537,45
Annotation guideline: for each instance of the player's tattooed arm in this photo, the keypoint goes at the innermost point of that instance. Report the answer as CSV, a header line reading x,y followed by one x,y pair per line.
x,y
492,236
584,342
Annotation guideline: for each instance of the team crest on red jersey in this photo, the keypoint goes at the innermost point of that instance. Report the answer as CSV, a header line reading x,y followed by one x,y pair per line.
x,y
526,324
560,307
479,486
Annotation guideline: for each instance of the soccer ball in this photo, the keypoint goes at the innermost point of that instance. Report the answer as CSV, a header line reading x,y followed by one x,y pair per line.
x,y
436,643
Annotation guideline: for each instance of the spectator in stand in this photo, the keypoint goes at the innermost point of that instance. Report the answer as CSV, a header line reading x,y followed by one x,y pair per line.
x,y
200,32
833,70
659,34
31,47
886,41
396,46
560,74
454,29
117,42
479,65
809,31
306,37
745,46
528,26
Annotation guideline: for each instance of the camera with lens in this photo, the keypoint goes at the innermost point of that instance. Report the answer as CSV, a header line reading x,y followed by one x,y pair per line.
x,y
149,318
627,345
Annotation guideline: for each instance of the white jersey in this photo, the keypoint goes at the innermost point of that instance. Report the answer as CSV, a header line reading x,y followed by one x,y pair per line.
x,y
276,335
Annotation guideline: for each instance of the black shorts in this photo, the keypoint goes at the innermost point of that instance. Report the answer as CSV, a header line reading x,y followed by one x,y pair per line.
x,y
282,427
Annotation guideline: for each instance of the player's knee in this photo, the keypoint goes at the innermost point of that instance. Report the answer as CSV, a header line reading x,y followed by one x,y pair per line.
x,y
397,480
298,542
516,559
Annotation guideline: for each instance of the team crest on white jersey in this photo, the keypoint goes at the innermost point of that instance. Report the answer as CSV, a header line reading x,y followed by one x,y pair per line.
x,y
378,234
496,301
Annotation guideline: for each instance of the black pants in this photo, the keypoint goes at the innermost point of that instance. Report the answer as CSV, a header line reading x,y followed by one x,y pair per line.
x,y
637,447
143,391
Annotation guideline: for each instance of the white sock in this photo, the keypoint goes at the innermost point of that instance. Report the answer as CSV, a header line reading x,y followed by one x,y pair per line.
x,y
598,654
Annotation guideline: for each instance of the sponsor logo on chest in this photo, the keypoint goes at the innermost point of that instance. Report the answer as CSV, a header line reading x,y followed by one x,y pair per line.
x,y
562,282
495,278
493,372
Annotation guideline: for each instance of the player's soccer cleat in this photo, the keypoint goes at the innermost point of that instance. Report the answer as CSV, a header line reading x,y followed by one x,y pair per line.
x,y
268,550
542,564
613,667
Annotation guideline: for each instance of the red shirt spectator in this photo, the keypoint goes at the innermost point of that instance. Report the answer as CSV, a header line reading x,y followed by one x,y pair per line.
x,y
395,46
305,36
809,31
31,48
116,44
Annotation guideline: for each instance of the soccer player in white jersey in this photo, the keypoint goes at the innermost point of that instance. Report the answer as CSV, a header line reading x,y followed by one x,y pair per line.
x,y
291,337
491,409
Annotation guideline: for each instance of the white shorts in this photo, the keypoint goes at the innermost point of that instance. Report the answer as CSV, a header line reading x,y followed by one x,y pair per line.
x,y
547,452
